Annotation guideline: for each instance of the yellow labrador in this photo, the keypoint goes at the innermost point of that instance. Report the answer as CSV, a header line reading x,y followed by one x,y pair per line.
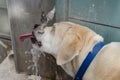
x,y
70,43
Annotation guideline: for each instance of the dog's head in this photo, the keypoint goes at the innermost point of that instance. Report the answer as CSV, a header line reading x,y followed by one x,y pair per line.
x,y
73,39
67,46
39,29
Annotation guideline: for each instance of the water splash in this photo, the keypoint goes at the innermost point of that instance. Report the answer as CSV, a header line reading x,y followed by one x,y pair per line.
x,y
35,59
33,77
50,15
36,53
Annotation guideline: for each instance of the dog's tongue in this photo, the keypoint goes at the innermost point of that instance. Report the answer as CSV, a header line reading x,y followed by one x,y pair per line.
x,y
24,36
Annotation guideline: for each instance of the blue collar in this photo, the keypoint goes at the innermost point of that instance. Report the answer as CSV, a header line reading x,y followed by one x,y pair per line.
x,y
91,55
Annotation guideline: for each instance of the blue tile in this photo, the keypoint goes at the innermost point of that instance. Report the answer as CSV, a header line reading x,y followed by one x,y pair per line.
x,y
101,11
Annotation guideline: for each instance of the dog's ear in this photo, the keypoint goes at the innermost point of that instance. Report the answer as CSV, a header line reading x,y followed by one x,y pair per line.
x,y
68,49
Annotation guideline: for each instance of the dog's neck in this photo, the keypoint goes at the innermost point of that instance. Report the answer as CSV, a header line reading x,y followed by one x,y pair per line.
x,y
89,46
72,67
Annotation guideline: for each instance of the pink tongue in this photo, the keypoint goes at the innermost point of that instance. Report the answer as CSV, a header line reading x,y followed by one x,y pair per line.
x,y
24,36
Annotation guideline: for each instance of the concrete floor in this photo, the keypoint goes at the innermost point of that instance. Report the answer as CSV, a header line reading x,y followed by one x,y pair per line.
x,y
8,72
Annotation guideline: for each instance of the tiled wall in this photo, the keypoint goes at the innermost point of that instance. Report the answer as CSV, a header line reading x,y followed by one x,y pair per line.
x,y
103,16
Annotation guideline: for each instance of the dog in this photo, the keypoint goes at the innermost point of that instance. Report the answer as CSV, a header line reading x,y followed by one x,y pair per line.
x,y
70,43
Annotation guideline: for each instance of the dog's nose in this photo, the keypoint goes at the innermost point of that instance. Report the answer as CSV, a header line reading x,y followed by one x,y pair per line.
x,y
36,26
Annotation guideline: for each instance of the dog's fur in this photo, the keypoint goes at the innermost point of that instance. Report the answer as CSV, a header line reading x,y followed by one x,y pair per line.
x,y
70,43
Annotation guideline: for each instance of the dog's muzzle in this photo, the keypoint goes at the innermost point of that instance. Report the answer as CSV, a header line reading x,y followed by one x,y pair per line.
x,y
35,41
32,38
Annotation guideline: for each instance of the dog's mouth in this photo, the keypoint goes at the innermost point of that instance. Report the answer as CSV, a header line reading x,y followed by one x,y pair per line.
x,y
32,38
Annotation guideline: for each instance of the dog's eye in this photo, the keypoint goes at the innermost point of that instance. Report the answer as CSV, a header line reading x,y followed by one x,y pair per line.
x,y
40,32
